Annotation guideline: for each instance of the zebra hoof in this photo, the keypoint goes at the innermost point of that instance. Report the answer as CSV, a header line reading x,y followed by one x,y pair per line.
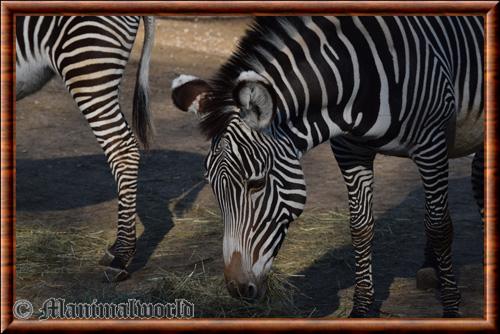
x,y
115,267
451,314
358,314
113,275
107,258
427,278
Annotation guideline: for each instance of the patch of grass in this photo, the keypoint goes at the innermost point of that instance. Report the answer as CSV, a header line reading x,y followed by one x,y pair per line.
x,y
187,264
41,251
209,295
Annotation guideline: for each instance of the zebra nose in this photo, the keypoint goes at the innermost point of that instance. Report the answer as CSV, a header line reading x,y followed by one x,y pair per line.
x,y
252,291
240,283
247,290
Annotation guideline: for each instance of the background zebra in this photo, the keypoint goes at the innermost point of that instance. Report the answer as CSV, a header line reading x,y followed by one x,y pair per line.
x,y
90,53
404,86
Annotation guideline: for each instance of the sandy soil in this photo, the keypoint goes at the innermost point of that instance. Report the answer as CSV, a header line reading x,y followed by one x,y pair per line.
x,y
63,184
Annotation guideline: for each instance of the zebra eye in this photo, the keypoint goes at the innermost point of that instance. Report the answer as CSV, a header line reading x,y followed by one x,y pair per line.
x,y
256,185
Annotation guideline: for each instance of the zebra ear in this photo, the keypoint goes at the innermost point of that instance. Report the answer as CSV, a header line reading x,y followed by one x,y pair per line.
x,y
188,92
256,99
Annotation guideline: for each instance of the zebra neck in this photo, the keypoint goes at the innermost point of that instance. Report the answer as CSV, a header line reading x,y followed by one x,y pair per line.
x,y
305,134
301,135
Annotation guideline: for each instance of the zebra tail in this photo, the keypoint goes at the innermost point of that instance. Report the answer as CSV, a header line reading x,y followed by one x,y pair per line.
x,y
141,117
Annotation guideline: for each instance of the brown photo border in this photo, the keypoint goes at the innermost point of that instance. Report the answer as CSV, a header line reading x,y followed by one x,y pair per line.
x,y
488,9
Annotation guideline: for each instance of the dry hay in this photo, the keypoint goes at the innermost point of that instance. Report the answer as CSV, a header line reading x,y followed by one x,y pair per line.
x,y
63,264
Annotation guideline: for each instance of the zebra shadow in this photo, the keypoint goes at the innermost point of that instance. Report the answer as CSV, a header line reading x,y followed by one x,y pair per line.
x,y
398,252
70,183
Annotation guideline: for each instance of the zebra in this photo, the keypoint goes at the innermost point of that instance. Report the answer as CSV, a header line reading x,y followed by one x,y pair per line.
x,y
402,86
89,53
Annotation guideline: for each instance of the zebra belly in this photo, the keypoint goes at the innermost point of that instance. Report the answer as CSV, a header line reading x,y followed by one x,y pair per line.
x,y
466,134
31,77
465,137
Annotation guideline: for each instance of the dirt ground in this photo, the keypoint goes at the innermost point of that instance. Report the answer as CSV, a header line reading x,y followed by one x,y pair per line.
x,y
66,202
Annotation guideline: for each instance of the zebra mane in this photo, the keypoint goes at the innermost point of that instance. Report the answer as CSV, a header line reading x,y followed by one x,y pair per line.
x,y
220,106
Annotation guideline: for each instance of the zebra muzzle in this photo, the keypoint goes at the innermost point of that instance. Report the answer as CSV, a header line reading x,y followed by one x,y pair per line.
x,y
240,283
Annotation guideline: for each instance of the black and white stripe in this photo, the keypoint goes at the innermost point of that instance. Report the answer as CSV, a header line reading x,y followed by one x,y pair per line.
x,y
260,189
89,54
403,86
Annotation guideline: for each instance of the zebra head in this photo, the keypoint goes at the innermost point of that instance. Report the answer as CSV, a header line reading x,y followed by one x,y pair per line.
x,y
254,172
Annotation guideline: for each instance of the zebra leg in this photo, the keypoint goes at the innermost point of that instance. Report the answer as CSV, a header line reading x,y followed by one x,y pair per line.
x,y
477,179
357,170
95,90
432,161
122,153
427,275
123,159
90,55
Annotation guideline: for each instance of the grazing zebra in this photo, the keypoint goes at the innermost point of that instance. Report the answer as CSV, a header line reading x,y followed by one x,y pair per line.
x,y
403,86
89,53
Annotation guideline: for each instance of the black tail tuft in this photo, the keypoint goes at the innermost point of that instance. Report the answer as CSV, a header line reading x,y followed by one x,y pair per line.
x,y
140,116
140,113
